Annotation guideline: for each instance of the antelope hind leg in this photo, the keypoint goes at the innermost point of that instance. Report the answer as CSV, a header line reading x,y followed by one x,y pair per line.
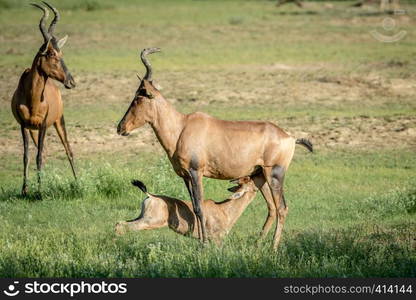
x,y
275,177
123,227
61,130
271,215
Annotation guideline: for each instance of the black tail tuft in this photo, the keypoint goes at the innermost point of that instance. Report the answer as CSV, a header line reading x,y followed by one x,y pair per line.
x,y
139,184
306,143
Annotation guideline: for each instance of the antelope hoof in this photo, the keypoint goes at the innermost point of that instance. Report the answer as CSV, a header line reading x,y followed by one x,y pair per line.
x,y
24,190
38,195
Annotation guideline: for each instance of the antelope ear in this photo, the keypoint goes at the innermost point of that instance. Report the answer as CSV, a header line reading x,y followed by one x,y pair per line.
x,y
62,42
150,90
156,85
45,50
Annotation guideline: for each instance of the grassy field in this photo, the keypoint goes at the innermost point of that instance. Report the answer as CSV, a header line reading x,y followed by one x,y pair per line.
x,y
317,72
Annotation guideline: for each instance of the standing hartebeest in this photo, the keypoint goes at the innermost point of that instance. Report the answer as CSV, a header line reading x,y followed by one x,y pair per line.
x,y
37,102
161,211
199,145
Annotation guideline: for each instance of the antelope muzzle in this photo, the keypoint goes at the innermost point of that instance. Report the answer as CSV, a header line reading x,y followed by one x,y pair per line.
x,y
121,128
69,81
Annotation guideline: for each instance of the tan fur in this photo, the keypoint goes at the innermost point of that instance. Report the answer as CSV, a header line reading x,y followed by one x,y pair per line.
x,y
162,211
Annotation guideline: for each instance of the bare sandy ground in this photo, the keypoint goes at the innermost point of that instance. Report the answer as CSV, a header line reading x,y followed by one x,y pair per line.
x,y
276,85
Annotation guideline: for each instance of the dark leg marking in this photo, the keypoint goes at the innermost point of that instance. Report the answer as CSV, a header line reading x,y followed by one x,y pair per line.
x,y
42,132
25,159
197,195
194,162
189,188
278,176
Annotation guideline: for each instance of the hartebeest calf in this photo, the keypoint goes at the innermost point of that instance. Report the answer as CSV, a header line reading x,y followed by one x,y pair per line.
x,y
37,103
163,211
200,145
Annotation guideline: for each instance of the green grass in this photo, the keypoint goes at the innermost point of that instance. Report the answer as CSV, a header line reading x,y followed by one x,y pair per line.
x,y
352,208
188,33
334,227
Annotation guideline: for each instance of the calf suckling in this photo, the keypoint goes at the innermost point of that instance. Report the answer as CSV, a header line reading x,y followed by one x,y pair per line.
x,y
162,211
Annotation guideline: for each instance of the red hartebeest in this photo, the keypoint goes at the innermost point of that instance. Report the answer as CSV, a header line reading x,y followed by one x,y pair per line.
x,y
162,211
199,145
37,102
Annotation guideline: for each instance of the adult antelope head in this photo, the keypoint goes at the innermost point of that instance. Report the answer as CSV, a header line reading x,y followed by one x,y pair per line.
x,y
49,59
142,107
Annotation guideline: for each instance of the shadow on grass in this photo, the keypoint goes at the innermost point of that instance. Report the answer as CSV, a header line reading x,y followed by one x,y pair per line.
x,y
104,181
69,190
376,13
296,13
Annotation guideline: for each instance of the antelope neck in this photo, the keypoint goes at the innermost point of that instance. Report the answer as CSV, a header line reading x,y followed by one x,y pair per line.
x,y
167,124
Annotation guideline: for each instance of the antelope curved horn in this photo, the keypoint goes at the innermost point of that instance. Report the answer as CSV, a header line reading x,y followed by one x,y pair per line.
x,y
42,27
146,63
55,20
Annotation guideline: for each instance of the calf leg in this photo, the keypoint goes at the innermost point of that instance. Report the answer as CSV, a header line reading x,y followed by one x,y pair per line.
x,y
154,215
139,224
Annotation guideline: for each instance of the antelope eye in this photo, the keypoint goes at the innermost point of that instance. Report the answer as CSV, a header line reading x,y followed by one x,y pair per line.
x,y
143,93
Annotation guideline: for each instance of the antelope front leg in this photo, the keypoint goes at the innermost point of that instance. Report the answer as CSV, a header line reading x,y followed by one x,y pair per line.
x,y
41,140
25,159
189,188
197,198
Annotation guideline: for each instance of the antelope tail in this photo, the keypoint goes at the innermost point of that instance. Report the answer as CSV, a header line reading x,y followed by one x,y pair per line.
x,y
305,143
140,185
